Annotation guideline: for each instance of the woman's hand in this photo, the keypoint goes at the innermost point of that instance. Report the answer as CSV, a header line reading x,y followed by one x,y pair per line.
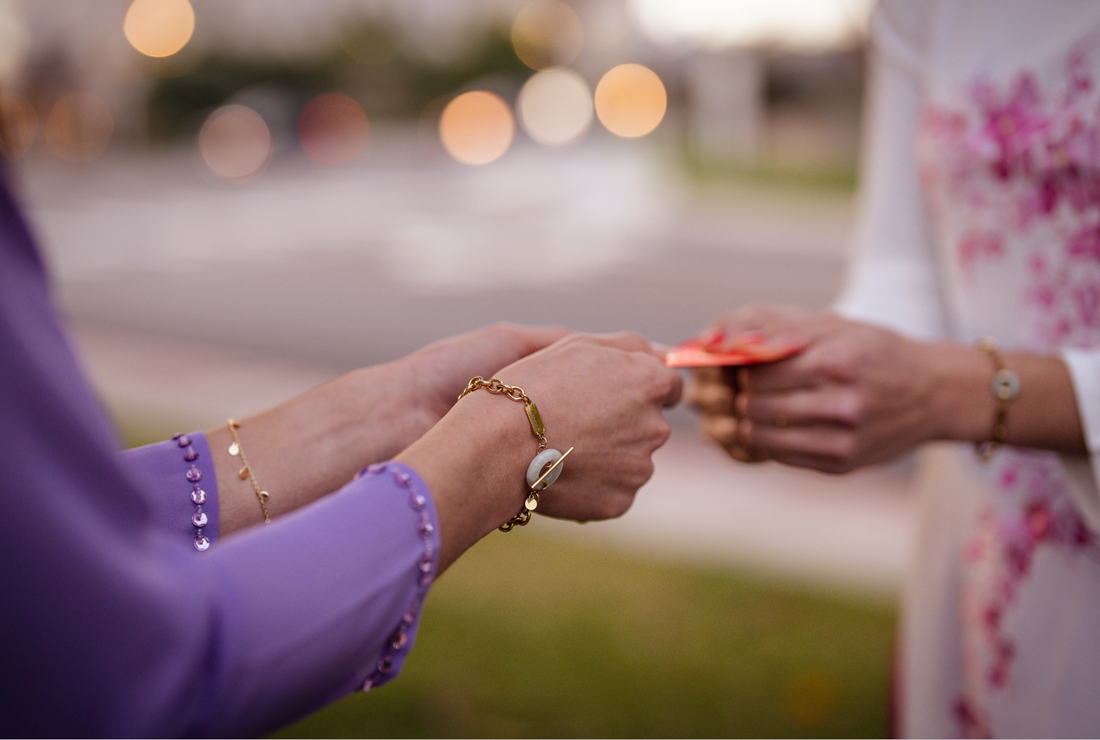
x,y
859,394
856,395
601,395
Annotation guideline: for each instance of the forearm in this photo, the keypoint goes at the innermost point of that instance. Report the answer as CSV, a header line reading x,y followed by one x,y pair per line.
x,y
1043,416
313,444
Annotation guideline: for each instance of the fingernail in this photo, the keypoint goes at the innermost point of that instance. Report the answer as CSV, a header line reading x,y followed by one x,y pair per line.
x,y
752,337
710,337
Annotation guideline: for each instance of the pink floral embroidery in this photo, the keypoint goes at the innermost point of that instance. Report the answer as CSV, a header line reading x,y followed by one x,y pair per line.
x,y
1032,510
976,246
1014,174
1023,165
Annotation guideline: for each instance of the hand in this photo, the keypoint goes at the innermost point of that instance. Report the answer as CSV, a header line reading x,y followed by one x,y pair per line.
x,y
856,395
603,396
442,369
425,384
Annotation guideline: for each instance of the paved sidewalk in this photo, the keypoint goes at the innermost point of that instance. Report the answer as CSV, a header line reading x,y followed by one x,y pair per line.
x,y
850,533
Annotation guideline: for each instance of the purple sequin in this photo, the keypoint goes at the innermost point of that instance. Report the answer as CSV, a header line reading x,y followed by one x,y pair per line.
x,y
198,496
425,564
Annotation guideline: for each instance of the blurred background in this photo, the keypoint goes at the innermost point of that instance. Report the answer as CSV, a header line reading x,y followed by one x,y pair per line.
x,y
240,199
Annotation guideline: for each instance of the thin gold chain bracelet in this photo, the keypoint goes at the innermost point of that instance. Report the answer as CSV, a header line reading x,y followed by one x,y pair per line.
x,y
1005,386
547,463
236,450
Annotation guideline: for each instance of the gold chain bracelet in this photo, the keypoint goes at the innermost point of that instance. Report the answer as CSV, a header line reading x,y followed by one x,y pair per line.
x,y
547,464
236,450
1005,386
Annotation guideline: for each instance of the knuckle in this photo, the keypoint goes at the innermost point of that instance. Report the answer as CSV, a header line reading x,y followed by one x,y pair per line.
x,y
850,409
662,433
722,429
842,451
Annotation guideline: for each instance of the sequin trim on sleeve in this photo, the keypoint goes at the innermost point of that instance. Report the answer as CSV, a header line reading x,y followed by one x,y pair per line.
x,y
425,565
199,519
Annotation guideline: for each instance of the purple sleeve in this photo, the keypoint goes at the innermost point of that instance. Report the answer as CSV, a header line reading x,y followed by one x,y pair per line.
x,y
186,508
114,625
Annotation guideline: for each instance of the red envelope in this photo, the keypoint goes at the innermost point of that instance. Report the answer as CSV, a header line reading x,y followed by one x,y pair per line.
x,y
694,353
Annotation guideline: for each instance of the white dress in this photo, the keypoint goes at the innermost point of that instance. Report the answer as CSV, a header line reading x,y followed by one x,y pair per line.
x,y
980,216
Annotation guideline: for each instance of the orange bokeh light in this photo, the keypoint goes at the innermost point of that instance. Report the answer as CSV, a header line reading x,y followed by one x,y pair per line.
x,y
20,124
79,127
477,127
159,28
235,143
547,34
332,129
630,100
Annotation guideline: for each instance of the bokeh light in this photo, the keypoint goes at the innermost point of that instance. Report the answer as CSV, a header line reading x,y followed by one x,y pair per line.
x,y
477,127
79,127
235,143
630,100
20,124
547,34
555,107
804,25
332,129
159,28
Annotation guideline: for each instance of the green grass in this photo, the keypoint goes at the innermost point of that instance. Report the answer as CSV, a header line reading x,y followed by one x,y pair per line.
x,y
820,178
530,637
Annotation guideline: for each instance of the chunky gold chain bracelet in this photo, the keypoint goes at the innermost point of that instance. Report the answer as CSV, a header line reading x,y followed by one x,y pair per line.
x,y
547,464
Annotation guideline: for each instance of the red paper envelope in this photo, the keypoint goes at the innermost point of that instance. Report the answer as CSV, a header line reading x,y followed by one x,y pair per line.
x,y
693,353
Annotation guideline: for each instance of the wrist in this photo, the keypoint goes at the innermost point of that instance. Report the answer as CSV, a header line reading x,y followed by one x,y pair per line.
x,y
965,409
474,461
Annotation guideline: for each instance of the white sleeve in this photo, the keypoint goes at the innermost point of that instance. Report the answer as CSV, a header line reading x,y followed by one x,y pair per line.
x,y
892,279
1084,369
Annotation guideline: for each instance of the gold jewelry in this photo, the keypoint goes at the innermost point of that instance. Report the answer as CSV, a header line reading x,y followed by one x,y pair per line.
x,y
547,464
1005,386
236,450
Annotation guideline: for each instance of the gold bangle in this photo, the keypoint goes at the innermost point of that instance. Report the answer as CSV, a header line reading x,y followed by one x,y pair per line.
x,y
1005,386
547,464
236,450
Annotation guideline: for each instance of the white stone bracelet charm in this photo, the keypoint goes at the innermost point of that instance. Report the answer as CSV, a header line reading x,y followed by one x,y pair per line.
x,y
535,470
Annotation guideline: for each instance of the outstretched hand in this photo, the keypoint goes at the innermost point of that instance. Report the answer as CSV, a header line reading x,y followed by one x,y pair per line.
x,y
856,395
603,396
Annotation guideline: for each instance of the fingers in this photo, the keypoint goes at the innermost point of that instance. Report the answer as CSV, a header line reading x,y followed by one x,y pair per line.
x,y
534,338
668,384
709,393
734,435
